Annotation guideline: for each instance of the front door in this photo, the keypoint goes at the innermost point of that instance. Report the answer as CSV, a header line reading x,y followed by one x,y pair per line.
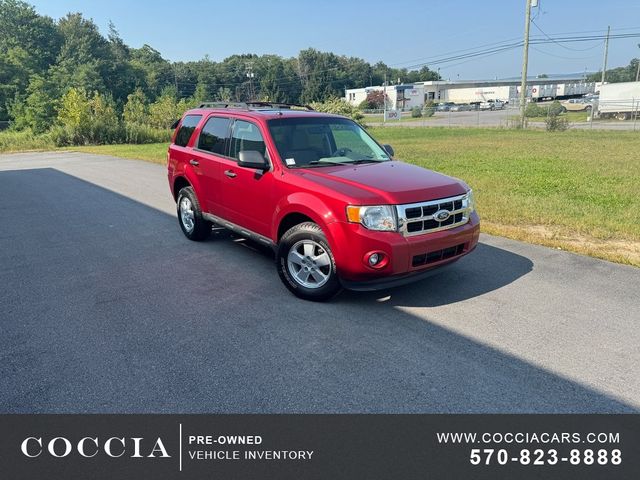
x,y
247,194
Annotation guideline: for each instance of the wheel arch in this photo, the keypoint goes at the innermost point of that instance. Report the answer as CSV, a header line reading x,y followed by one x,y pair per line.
x,y
178,184
299,208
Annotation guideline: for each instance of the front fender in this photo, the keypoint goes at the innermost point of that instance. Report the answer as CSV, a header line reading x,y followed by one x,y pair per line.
x,y
306,204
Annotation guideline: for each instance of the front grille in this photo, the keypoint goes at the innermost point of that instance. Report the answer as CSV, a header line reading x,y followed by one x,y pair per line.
x,y
436,256
418,218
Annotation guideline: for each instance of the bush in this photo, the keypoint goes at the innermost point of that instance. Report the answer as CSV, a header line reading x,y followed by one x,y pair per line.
x,y
554,123
555,109
375,100
366,105
534,110
138,133
549,110
416,112
338,107
84,120
11,140
428,109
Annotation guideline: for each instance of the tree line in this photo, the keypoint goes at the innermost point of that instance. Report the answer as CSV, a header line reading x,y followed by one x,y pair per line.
x,y
65,73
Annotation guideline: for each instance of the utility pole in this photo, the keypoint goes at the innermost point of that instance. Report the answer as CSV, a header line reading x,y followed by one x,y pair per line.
x,y
606,54
638,69
525,63
250,75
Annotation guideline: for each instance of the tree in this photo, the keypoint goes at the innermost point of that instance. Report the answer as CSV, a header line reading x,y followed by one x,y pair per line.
x,y
155,71
375,100
620,74
166,109
37,109
75,109
29,43
136,110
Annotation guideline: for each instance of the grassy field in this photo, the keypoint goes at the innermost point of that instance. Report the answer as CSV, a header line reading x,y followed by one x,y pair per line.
x,y
573,117
575,190
151,152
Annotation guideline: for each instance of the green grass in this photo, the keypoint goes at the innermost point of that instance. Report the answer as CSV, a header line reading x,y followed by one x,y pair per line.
x,y
151,152
573,117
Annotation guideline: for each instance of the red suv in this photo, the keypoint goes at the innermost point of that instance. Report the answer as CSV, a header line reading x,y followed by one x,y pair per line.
x,y
334,205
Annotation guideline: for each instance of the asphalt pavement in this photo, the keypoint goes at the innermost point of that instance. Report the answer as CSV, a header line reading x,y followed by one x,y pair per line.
x,y
106,307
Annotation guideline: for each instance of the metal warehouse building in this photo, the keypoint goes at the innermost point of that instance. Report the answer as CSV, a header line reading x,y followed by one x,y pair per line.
x,y
415,95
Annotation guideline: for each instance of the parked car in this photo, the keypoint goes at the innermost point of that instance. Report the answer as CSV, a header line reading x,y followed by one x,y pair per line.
x,y
492,105
335,206
444,107
577,105
460,107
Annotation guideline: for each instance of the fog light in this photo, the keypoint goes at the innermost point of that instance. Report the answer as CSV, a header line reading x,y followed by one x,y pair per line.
x,y
376,260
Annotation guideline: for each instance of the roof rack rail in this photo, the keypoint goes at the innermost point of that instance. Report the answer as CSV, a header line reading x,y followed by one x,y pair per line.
x,y
255,105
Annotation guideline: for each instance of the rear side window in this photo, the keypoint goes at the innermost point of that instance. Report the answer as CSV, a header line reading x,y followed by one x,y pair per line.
x,y
187,127
246,136
214,135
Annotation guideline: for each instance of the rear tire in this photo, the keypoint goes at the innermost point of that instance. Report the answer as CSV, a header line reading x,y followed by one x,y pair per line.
x,y
305,263
193,225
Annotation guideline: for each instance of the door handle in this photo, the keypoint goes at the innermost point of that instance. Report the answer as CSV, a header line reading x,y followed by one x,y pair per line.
x,y
230,173
195,163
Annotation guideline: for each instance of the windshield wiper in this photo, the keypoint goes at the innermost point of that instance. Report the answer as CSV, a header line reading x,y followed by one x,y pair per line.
x,y
326,161
364,160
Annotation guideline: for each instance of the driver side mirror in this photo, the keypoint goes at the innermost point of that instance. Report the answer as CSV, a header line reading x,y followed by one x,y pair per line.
x,y
389,149
252,159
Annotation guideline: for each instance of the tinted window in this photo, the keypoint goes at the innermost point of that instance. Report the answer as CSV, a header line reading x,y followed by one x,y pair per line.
x,y
187,127
246,136
214,135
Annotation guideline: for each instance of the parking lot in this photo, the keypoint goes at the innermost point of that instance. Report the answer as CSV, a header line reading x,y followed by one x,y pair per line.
x,y
504,118
106,307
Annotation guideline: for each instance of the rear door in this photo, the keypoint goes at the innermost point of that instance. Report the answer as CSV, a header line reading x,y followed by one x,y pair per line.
x,y
209,149
247,194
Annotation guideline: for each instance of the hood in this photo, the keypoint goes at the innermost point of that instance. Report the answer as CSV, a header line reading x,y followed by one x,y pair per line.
x,y
391,182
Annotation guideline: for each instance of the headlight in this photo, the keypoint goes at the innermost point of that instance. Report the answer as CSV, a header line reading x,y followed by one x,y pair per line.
x,y
378,217
471,201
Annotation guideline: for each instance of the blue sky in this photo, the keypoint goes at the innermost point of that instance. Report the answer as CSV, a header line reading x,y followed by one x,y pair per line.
x,y
398,33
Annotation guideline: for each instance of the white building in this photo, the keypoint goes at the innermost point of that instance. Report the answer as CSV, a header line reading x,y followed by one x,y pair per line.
x,y
415,95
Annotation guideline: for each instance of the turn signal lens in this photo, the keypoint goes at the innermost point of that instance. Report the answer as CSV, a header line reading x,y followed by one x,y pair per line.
x,y
353,214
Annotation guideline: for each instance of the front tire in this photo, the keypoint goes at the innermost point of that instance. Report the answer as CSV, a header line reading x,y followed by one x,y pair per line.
x,y
305,263
193,225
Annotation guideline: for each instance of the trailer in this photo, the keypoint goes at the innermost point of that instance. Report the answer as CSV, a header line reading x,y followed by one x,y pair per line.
x,y
618,100
478,94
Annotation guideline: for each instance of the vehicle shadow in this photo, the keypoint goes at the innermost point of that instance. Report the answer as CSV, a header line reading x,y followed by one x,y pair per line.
x,y
107,308
486,269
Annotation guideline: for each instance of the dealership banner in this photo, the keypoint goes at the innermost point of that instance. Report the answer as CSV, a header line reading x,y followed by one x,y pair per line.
x,y
319,446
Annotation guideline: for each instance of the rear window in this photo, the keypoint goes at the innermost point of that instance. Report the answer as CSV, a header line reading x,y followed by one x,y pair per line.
x,y
188,125
214,135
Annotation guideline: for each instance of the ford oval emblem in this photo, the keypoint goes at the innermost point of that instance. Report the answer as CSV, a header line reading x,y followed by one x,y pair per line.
x,y
441,215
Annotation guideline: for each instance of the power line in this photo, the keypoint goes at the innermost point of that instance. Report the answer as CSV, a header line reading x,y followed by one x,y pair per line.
x,y
560,44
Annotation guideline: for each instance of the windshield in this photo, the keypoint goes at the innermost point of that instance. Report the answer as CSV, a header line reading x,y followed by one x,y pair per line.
x,y
322,141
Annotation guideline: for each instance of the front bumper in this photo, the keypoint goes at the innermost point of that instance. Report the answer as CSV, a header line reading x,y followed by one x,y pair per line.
x,y
410,258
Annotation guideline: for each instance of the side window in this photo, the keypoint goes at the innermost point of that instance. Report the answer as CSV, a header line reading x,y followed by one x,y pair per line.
x,y
187,127
214,135
246,136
